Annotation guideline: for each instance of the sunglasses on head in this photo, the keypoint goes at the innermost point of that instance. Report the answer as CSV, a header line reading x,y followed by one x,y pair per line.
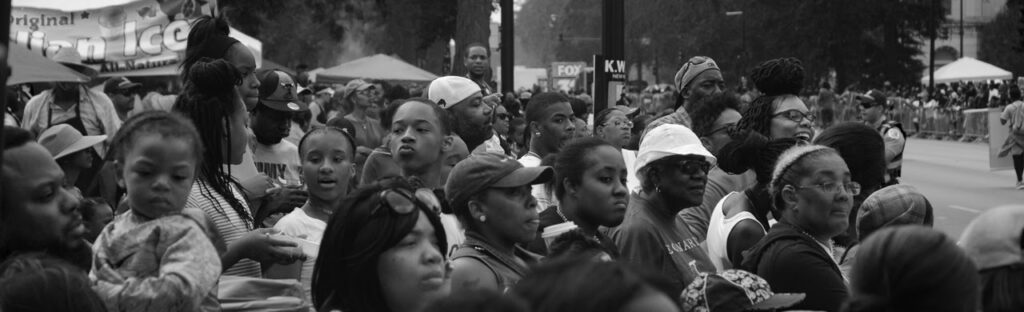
x,y
402,202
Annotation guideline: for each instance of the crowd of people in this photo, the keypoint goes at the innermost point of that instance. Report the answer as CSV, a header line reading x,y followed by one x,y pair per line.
x,y
254,190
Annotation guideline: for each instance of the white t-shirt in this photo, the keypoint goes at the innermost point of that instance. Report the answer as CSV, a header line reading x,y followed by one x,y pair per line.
x,y
298,223
544,199
280,162
632,182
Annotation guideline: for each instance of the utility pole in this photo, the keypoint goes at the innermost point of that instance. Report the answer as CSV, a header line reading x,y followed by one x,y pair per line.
x,y
961,28
508,57
612,48
931,53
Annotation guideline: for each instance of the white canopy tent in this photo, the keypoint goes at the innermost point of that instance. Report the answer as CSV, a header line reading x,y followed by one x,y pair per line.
x,y
968,69
379,66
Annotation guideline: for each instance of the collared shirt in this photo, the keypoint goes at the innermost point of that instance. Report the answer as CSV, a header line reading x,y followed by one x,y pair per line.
x,y
98,115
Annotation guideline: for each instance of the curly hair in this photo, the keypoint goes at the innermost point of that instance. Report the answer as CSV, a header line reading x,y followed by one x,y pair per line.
x,y
779,76
709,109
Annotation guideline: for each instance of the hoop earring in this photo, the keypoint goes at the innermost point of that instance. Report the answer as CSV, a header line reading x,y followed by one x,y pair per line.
x,y
483,218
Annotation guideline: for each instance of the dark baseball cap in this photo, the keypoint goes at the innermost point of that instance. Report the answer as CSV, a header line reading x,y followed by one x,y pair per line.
x,y
482,171
872,98
119,84
278,92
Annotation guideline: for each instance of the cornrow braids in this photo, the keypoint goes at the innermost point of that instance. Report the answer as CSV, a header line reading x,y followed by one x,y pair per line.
x,y
209,100
758,116
205,31
165,124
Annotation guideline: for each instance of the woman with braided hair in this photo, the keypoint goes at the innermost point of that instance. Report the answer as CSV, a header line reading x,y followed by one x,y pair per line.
x,y
740,219
778,113
212,102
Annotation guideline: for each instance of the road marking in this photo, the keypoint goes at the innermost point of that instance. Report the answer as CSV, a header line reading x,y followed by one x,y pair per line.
x,y
962,208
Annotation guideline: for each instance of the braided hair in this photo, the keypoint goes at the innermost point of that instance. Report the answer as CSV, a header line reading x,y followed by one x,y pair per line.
x,y
750,150
777,79
209,100
208,37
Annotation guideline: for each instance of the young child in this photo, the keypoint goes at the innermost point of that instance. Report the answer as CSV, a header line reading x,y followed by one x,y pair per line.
x,y
156,256
327,171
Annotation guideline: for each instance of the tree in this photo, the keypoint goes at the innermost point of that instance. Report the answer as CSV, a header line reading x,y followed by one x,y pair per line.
x,y
473,25
1001,40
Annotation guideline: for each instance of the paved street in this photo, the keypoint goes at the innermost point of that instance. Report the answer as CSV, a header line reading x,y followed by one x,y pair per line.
x,y
955,178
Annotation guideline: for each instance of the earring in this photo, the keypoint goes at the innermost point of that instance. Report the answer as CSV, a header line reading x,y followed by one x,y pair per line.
x,y
483,218
657,188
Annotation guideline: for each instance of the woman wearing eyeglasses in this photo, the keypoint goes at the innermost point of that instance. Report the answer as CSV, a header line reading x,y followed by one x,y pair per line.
x,y
673,167
739,219
490,194
382,251
779,113
812,192
613,126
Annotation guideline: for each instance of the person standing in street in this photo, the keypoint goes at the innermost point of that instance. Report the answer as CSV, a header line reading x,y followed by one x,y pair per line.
x,y
1013,116
872,112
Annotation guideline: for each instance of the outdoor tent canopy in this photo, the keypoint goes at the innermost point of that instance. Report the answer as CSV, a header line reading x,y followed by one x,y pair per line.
x,y
969,69
28,66
379,66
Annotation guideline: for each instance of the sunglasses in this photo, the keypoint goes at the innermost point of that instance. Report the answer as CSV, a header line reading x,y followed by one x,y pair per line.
x,y
403,202
692,166
796,115
867,105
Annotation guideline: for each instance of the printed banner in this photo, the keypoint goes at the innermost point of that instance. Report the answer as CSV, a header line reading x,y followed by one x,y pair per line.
x,y
140,37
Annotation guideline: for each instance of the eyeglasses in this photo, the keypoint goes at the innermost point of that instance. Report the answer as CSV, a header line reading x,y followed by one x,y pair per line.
x,y
833,187
867,105
796,115
618,123
691,166
727,128
402,202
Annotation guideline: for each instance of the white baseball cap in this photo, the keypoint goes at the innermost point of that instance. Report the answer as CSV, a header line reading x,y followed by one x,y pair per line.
x,y
670,140
450,90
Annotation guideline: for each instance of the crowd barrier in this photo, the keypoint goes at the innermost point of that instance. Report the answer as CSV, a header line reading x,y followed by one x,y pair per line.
x,y
939,123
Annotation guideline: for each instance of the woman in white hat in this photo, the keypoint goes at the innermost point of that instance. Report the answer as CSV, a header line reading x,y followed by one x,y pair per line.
x,y
672,169
70,149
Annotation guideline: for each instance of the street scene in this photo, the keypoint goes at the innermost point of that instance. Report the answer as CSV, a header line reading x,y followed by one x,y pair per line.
x,y
512,155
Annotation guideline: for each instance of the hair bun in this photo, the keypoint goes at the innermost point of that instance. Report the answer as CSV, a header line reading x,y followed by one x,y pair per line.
x,y
779,76
212,76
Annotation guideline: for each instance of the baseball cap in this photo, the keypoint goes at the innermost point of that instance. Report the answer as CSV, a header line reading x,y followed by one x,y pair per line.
x,y
670,140
450,90
356,85
62,140
893,205
277,91
693,68
304,91
734,290
481,171
993,239
872,98
118,84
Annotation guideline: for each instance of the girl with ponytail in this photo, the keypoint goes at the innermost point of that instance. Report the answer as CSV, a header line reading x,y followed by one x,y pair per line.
x,y
209,39
212,103
740,219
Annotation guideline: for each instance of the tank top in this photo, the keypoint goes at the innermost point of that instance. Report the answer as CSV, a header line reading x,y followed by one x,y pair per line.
x,y
719,229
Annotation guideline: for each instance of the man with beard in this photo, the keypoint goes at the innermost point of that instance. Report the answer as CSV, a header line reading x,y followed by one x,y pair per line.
x,y
549,125
470,116
38,214
478,62
275,157
696,79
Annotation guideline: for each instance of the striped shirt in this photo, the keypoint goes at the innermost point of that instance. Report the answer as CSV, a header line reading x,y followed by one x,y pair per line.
x,y
230,225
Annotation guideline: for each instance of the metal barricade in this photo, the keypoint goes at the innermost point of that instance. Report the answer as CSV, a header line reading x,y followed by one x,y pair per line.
x,y
975,125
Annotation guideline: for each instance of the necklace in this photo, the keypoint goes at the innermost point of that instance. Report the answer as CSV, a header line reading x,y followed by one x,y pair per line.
x,y
559,211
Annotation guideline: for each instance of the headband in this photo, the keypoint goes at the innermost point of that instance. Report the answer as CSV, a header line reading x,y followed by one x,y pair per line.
x,y
790,157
